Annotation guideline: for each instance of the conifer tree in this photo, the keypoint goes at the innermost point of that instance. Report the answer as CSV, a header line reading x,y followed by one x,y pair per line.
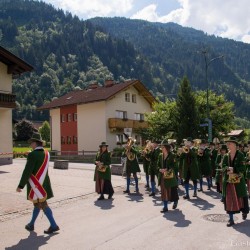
x,y
187,118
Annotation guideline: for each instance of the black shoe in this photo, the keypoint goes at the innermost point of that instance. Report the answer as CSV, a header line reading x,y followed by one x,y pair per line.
x,y
137,191
186,197
110,196
51,230
152,194
209,188
29,227
175,205
244,216
164,210
230,223
195,194
101,198
126,192
200,190
146,186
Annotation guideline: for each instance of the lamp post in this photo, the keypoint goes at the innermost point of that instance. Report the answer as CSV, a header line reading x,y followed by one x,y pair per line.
x,y
209,121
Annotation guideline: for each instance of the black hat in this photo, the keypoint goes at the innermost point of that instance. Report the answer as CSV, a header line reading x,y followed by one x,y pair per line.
x,y
36,137
103,144
232,139
223,147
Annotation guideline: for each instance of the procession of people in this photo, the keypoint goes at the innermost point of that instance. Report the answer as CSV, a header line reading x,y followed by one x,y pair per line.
x,y
224,164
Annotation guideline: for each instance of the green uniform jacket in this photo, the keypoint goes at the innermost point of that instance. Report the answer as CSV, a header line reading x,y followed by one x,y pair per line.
x,y
145,163
214,154
204,163
169,165
239,167
34,161
217,166
154,155
247,159
132,166
105,158
189,163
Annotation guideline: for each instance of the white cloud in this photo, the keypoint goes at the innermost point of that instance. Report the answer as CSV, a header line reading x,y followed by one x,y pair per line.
x,y
228,18
93,8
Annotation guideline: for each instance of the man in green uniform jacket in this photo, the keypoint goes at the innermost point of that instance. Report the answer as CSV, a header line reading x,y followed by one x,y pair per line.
x,y
190,168
153,169
131,164
35,176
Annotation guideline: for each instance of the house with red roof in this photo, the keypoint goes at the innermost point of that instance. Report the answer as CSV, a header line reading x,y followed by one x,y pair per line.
x,y
82,119
10,66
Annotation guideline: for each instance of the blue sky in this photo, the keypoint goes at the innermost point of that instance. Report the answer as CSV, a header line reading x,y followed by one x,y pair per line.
x,y
225,18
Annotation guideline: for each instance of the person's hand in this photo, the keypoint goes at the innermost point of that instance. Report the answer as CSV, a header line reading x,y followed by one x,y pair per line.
x,y
19,190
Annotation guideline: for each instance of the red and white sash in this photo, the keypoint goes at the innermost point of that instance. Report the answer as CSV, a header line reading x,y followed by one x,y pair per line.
x,y
37,192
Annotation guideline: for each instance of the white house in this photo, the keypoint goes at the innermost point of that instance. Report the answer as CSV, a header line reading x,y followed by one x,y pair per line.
x,y
10,65
81,119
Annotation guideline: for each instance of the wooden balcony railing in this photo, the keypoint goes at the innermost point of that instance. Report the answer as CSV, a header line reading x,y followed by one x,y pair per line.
x,y
117,123
7,100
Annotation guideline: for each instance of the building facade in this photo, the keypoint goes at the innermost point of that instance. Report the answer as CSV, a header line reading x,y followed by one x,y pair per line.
x,y
81,119
10,66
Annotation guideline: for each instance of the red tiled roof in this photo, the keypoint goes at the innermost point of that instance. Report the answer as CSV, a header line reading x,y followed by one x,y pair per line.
x,y
98,94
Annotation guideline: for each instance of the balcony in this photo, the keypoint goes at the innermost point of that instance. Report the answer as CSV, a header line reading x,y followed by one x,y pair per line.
x,y
7,100
117,123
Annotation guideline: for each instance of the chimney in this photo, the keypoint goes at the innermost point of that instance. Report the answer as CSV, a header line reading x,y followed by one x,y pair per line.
x,y
93,85
109,83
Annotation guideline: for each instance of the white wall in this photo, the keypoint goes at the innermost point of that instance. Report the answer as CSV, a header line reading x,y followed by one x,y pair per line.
x,y
91,126
5,79
6,144
55,125
118,103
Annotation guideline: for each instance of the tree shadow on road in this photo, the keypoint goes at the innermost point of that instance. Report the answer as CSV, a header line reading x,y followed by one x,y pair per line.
x,y
178,217
243,227
104,204
33,242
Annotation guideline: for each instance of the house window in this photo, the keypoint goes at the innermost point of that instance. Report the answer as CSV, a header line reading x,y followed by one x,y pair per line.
x,y
69,117
74,140
139,117
134,98
62,140
137,139
75,116
121,114
63,118
119,139
127,97
68,139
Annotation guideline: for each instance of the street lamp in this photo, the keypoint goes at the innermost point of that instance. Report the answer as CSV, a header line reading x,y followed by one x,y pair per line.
x,y
209,121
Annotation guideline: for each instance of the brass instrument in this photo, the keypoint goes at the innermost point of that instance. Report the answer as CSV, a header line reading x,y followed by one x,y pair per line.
x,y
168,174
101,167
148,148
130,155
186,149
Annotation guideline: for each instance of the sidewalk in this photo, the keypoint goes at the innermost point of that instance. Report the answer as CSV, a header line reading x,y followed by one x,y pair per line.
x,y
126,222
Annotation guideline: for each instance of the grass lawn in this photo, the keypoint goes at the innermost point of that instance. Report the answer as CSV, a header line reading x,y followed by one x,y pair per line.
x,y
24,149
